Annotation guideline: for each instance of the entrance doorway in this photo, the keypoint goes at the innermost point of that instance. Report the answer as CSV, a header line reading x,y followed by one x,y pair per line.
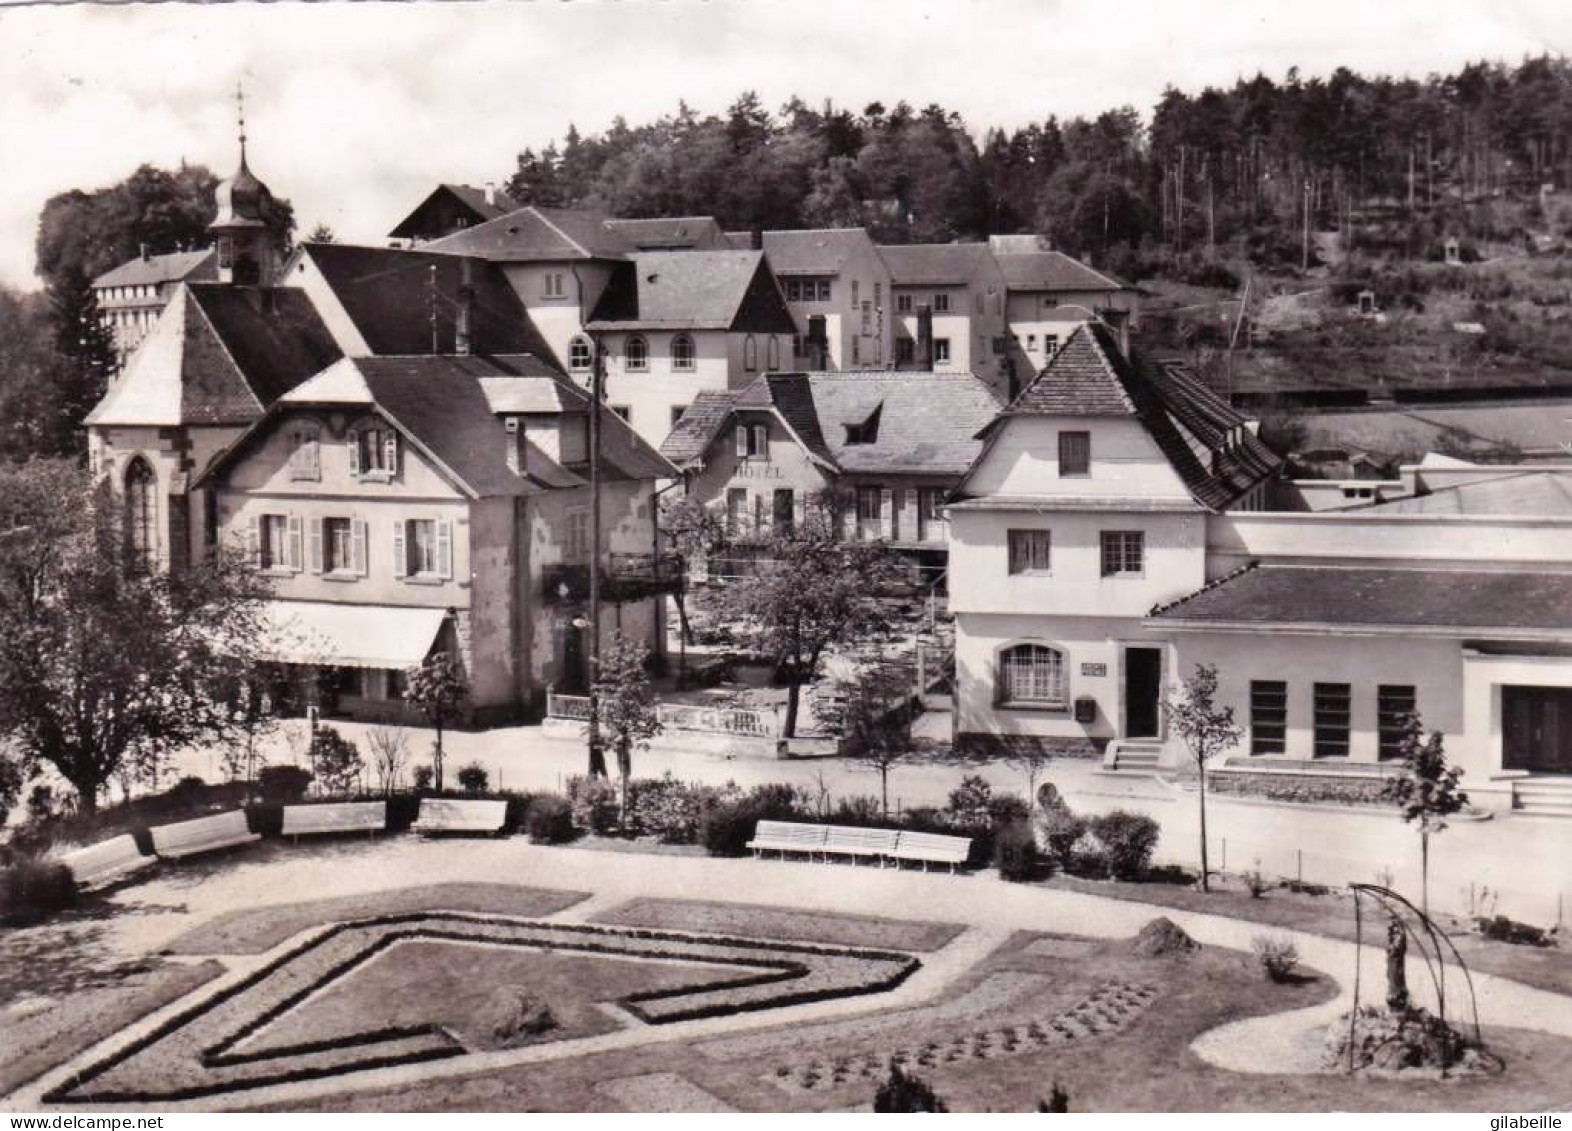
x,y
1143,682
574,670
1536,729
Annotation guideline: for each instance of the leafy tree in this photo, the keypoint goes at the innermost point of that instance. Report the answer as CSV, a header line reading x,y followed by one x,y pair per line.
x,y
32,421
86,351
322,233
1426,791
628,716
693,531
1207,730
870,709
335,760
254,717
814,593
105,666
437,689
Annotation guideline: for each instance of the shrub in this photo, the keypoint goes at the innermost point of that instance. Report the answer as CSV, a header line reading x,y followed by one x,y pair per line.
x,y
1128,841
903,1094
473,778
969,802
1278,957
510,1017
187,793
1007,808
1015,851
424,777
664,808
859,810
283,785
1502,929
594,803
1258,884
726,829
32,888
1058,831
777,801
549,820
1057,1101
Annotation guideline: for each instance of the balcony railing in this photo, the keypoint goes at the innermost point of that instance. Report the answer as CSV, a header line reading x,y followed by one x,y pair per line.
x,y
744,721
626,577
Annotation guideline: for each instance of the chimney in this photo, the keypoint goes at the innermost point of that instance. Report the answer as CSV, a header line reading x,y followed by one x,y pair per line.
x,y
145,254
466,308
925,338
491,192
756,239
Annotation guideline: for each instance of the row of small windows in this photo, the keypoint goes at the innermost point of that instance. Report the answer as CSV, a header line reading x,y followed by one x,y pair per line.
x,y
337,546
1331,718
684,355
1123,552
372,448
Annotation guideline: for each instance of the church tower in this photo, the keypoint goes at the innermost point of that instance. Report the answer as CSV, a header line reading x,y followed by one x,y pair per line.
x,y
242,229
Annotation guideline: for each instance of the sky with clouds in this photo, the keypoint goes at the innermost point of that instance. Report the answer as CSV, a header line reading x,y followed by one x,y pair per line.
x,y
355,110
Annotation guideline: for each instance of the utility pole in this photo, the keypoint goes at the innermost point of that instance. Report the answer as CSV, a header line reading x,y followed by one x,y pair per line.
x,y
597,755
1304,255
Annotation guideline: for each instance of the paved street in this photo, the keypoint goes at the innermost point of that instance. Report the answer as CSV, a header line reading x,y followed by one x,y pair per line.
x,y
1520,859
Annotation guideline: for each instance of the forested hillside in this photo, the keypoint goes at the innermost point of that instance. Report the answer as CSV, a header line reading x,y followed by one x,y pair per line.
x,y
1237,166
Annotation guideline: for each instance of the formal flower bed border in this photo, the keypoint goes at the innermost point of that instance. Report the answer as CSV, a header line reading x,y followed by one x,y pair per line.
x,y
885,970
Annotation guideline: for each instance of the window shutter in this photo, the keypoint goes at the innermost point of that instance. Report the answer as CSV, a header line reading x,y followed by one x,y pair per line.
x,y
761,440
800,511
358,537
352,439
761,520
849,518
316,545
887,512
400,561
742,441
314,454
294,543
390,451
909,512
445,549
254,542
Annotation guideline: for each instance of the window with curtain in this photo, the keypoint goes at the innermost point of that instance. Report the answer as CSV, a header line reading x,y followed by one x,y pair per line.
x,y
682,352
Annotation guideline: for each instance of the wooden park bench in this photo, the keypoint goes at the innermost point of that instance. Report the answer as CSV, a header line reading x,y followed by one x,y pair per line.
x,y
107,861
787,836
859,843
369,817
934,848
455,815
205,834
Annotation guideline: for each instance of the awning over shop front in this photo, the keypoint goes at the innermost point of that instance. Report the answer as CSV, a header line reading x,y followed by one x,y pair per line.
x,y
349,636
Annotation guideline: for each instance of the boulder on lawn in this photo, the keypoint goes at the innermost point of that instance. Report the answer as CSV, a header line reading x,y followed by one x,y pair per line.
x,y
1160,938
512,1016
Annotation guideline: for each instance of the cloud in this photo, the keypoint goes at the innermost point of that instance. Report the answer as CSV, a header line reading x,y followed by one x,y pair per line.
x,y
354,110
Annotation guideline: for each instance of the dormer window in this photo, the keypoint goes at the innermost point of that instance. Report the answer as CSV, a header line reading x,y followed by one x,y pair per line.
x,y
753,441
865,431
580,355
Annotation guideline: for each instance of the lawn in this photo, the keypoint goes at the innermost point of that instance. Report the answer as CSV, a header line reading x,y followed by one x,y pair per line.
x,y
752,921
421,982
260,929
1332,915
977,1047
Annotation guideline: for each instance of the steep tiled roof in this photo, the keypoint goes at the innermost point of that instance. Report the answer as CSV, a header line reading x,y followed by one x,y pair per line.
x,y
666,233
698,427
1210,446
500,204
533,234
1271,596
172,267
927,422
934,264
1544,494
451,405
387,293
218,355
912,423
1052,271
693,290
473,200
817,251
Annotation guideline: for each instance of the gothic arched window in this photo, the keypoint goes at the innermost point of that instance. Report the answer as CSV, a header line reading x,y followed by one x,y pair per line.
x,y
142,513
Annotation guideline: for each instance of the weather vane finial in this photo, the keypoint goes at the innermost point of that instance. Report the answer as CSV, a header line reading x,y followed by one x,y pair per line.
x,y
240,105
